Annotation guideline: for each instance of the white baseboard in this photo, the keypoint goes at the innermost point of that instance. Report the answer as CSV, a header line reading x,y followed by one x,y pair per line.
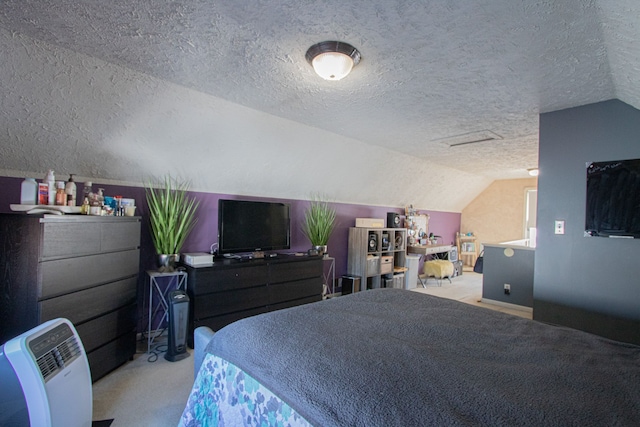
x,y
507,305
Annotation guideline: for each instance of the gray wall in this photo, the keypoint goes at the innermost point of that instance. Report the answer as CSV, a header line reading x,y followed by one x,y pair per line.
x,y
589,283
516,270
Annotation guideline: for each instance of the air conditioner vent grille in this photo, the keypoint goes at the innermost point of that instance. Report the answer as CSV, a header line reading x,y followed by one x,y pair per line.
x,y
55,360
469,138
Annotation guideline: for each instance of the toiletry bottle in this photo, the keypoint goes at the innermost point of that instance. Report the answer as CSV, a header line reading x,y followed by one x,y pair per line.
x,y
95,207
84,209
87,191
119,210
43,193
61,196
50,180
71,191
29,192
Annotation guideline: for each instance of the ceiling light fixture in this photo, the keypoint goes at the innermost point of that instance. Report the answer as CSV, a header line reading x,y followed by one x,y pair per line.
x,y
534,171
333,60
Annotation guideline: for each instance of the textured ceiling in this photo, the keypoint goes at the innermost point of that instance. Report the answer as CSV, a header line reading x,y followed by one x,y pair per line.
x,y
429,70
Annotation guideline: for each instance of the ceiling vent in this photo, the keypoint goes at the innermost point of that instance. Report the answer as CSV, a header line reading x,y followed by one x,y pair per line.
x,y
469,138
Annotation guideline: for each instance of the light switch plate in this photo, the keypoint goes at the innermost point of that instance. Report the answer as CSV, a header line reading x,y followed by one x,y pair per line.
x,y
559,227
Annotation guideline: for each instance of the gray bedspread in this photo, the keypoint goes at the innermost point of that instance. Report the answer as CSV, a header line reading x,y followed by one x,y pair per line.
x,y
392,357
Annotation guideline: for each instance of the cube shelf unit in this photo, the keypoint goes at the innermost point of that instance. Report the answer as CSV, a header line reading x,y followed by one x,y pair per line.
x,y
376,255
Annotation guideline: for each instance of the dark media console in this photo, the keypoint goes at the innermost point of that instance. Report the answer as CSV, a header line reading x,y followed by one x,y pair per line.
x,y
233,289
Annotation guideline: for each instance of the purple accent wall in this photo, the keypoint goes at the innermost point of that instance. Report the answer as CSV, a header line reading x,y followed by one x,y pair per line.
x,y
445,224
205,233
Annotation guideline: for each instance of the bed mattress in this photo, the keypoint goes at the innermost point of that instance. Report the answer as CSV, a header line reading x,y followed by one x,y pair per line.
x,y
396,357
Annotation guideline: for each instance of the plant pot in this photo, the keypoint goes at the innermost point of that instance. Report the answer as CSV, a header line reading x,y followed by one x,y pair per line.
x,y
322,249
167,262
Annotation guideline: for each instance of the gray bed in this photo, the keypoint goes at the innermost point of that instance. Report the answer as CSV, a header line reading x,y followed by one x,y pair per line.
x,y
392,357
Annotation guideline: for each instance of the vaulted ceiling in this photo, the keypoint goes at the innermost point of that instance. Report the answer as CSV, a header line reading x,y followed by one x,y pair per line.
x,y
432,73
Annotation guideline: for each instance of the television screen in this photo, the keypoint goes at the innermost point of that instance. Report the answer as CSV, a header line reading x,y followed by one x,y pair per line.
x,y
613,199
249,226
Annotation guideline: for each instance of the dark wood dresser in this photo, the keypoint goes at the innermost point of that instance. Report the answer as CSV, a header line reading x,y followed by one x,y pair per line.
x,y
231,290
83,268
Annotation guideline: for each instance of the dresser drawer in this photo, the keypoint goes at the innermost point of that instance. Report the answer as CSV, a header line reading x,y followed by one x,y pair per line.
x,y
67,275
83,305
107,327
77,238
111,355
70,239
291,271
294,290
217,280
118,236
229,302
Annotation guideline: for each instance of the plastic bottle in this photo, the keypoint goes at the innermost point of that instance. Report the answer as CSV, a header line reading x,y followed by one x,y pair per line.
x,y
29,192
87,188
61,196
84,209
87,191
95,204
50,180
70,190
119,210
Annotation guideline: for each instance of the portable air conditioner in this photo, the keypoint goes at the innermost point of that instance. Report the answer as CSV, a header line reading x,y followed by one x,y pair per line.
x,y
45,378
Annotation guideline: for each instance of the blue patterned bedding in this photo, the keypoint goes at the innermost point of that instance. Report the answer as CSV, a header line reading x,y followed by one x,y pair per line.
x,y
224,395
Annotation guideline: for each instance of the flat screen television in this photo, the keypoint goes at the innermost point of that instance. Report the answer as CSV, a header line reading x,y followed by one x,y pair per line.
x,y
613,199
251,226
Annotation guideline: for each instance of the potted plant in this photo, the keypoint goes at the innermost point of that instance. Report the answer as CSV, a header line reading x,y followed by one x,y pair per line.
x,y
171,218
319,222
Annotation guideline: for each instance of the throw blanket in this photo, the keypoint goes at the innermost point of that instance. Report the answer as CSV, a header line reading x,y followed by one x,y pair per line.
x,y
395,357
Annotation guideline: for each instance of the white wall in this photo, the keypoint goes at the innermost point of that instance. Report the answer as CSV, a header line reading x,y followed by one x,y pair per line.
x,y
78,114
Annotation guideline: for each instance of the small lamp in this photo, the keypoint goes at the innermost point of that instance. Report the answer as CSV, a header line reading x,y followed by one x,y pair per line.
x,y
533,172
332,60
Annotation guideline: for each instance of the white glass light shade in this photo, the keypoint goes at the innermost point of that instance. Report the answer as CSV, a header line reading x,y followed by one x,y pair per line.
x,y
332,65
332,60
534,172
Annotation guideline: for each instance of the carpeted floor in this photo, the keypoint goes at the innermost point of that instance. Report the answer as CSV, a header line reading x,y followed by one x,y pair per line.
x,y
467,288
143,393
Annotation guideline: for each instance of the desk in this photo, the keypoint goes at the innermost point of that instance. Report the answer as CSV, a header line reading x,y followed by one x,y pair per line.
x,y
160,284
429,249
426,250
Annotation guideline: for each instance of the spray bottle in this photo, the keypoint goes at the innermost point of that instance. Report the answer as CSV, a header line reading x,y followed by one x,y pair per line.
x,y
50,180
71,190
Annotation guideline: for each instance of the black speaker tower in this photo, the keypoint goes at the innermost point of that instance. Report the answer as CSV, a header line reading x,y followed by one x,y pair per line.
x,y
373,241
178,323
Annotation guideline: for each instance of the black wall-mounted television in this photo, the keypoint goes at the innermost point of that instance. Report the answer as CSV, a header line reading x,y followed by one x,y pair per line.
x,y
251,226
613,199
